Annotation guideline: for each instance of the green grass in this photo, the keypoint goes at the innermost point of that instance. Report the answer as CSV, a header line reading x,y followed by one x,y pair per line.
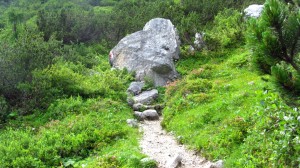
x,y
218,120
85,124
89,135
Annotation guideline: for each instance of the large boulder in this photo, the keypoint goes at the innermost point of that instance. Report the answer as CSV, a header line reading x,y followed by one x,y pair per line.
x,y
150,53
254,10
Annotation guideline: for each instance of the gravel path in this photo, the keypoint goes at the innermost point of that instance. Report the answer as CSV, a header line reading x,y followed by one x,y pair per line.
x,y
162,147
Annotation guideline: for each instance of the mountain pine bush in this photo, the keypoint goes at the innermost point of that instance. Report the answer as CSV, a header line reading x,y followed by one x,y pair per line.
x,y
275,39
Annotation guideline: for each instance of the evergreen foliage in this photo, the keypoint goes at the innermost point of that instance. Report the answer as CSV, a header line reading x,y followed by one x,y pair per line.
x,y
275,40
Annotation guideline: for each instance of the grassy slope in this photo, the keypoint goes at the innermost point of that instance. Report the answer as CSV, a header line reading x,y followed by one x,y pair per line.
x,y
215,120
76,131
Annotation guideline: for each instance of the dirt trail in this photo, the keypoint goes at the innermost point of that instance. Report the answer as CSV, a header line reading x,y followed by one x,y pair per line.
x,y
162,147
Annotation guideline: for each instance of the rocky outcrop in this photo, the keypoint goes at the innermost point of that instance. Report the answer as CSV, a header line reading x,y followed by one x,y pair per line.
x,y
254,10
150,53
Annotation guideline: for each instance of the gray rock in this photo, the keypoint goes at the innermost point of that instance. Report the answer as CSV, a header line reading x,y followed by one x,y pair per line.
x,y
218,164
142,107
175,161
135,88
146,97
130,100
199,41
139,115
149,52
254,10
139,107
191,50
132,122
150,115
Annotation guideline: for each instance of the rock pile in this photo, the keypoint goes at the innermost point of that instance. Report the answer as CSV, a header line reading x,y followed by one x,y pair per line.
x,y
141,102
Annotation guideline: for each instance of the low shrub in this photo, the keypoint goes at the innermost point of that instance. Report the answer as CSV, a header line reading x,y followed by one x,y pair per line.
x,y
227,30
274,139
65,79
4,109
76,130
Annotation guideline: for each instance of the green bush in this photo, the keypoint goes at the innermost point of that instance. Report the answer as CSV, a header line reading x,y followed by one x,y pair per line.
x,y
227,30
274,37
75,130
4,109
19,59
65,79
274,139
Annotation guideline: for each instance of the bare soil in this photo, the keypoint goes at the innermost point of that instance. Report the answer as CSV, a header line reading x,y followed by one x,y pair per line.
x,y
162,147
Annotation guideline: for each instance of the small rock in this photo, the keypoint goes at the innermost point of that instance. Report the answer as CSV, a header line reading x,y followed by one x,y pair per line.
x,y
199,42
218,164
191,50
150,115
132,122
146,97
135,88
139,115
254,10
139,107
130,100
175,161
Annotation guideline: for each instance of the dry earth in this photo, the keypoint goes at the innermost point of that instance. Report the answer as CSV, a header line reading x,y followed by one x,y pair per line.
x,y
162,147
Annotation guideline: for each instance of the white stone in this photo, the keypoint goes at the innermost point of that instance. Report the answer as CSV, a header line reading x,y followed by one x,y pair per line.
x,y
175,161
254,10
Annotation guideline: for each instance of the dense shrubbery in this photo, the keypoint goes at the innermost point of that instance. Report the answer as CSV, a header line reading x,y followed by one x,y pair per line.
x,y
76,129
274,40
227,30
274,140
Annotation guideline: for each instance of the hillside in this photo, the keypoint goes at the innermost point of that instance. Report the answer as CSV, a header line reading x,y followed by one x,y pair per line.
x,y
61,104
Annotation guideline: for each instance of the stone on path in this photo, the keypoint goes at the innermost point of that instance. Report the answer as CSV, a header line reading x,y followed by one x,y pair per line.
x,y
139,115
142,107
146,115
218,164
135,88
175,161
146,97
150,115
